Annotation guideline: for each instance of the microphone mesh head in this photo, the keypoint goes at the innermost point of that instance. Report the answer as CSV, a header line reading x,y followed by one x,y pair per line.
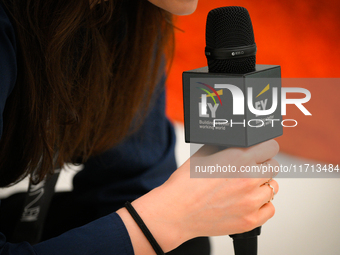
x,y
229,27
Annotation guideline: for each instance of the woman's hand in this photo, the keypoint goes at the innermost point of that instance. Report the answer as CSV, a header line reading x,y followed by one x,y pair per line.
x,y
183,207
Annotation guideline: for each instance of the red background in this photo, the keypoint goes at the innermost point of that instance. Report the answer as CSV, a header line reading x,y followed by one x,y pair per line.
x,y
301,36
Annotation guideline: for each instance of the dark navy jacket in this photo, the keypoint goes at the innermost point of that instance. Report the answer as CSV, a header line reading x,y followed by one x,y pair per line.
x,y
85,218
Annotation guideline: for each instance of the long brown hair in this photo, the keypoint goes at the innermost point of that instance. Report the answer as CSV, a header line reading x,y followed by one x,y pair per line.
x,y
84,75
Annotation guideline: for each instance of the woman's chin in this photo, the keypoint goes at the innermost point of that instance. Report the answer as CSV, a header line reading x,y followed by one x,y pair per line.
x,y
177,7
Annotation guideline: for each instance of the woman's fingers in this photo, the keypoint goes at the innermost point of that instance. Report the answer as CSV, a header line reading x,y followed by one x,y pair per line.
x,y
266,212
207,150
268,191
267,170
264,151
259,207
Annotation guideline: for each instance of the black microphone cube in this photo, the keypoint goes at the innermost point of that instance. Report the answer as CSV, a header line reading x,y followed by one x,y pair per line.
x,y
233,110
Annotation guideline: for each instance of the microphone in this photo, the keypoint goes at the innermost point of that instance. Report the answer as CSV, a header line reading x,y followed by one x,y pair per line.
x,y
227,103
230,43
231,48
219,99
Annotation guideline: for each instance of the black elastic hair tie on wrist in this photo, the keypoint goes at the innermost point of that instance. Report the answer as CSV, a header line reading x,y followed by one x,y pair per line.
x,y
144,228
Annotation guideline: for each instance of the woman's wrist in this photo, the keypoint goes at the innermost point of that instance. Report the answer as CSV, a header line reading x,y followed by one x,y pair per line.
x,y
157,217
139,242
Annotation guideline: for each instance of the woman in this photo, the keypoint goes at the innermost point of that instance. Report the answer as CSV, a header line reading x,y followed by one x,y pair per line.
x,y
83,82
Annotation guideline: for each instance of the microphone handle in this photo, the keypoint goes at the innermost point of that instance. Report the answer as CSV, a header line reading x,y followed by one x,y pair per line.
x,y
246,243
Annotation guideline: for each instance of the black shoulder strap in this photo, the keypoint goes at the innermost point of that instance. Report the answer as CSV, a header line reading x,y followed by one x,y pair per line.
x,y
37,201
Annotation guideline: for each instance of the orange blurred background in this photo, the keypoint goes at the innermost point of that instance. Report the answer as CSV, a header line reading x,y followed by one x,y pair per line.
x,y
303,38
